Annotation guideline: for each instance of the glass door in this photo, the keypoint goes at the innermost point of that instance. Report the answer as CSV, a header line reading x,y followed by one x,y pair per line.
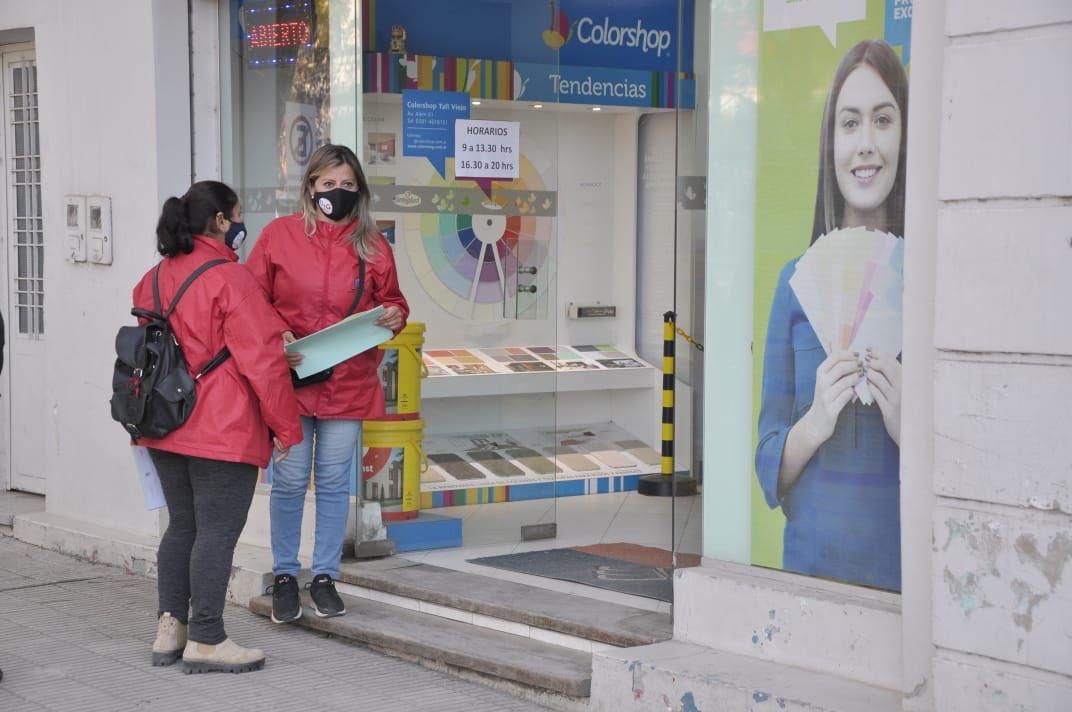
x,y
526,162
461,141
690,128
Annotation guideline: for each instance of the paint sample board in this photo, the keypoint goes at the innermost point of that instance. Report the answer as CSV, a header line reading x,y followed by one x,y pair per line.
x,y
532,455
527,359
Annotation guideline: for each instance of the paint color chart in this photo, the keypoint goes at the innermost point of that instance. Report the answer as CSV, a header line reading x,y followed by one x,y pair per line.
x,y
527,359
533,455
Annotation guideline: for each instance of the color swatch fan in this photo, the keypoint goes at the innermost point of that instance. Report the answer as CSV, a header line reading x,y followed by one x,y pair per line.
x,y
850,283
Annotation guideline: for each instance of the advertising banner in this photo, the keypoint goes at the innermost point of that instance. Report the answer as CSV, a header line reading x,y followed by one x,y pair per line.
x,y
622,34
830,186
428,124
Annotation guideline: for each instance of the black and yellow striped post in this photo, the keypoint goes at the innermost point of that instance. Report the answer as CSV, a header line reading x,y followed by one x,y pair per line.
x,y
667,484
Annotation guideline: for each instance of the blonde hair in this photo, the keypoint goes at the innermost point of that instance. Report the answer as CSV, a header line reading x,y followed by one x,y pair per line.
x,y
363,238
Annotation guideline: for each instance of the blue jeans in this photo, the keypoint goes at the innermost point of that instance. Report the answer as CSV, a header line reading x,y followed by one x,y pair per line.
x,y
332,459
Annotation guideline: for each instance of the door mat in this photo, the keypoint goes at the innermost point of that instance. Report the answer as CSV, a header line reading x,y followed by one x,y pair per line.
x,y
644,555
625,568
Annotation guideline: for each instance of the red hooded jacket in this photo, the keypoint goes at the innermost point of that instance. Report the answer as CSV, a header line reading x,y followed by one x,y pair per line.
x,y
248,394
311,281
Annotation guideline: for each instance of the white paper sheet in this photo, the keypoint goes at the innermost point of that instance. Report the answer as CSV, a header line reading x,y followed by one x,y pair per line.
x,y
149,479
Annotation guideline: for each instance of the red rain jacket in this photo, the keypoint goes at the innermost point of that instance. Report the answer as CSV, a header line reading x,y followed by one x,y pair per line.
x,y
311,281
248,394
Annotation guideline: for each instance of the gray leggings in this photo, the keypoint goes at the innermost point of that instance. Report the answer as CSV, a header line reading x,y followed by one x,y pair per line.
x,y
207,505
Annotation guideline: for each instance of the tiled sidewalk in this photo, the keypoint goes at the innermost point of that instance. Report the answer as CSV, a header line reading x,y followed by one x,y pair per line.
x,y
75,637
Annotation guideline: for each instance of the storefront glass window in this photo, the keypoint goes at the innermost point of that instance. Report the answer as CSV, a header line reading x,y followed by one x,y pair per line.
x,y
524,160
291,82
829,233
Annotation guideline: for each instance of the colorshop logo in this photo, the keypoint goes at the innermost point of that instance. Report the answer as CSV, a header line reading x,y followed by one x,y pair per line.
x,y
560,31
647,40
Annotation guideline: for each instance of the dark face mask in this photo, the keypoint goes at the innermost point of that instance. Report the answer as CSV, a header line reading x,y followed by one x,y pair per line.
x,y
336,204
235,236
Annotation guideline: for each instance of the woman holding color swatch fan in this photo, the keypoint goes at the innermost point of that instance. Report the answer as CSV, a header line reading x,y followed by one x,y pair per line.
x,y
829,424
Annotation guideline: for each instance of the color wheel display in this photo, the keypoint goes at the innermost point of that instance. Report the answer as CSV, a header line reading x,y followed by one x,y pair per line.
x,y
469,262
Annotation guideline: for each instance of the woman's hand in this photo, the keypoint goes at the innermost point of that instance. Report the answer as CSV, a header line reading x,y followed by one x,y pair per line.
x,y
884,375
280,451
391,319
834,381
293,358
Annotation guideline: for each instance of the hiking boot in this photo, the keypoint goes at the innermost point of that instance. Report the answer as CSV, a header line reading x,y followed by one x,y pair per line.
x,y
227,656
170,640
286,603
326,600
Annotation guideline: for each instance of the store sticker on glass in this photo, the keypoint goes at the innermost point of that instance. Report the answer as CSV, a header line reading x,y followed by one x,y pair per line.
x,y
382,469
487,150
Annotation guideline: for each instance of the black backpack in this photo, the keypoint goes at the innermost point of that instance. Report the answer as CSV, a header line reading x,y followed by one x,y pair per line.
x,y
153,392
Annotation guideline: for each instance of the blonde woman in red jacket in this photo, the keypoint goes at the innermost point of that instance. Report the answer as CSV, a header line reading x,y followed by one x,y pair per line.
x,y
317,267
208,467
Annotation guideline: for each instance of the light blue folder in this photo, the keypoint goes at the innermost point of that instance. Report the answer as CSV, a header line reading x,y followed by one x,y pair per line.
x,y
351,336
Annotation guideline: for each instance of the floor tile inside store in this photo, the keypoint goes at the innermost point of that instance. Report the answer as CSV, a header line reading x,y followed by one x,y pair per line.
x,y
494,529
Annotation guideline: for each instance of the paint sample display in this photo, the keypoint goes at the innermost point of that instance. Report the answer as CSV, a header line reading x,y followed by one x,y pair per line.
x,y
580,463
456,467
620,363
529,367
470,369
613,458
640,451
533,460
573,366
431,475
492,459
495,463
527,359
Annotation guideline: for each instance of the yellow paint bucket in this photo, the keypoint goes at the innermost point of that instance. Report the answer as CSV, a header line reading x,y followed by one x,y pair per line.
x,y
401,371
392,460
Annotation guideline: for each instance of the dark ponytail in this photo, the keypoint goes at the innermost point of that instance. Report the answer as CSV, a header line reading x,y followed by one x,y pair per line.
x,y
182,218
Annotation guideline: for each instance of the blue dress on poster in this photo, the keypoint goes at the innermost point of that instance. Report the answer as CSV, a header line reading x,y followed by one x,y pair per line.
x,y
843,512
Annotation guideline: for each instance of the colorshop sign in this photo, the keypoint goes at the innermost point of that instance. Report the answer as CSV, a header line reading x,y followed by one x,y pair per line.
x,y
588,31
619,34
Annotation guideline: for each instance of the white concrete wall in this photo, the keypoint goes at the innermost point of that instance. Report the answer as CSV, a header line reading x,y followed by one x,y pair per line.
x,y
1002,527
917,394
114,102
828,627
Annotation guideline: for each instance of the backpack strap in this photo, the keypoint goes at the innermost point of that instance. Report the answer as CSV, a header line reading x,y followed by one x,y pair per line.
x,y
156,289
182,289
224,353
360,285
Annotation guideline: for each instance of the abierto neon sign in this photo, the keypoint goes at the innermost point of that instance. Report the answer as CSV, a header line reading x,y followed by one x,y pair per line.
x,y
295,33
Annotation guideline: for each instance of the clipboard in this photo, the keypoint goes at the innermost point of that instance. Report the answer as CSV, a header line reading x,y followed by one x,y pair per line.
x,y
353,335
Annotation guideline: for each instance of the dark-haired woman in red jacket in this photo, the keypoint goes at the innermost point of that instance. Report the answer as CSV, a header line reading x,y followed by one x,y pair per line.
x,y
208,466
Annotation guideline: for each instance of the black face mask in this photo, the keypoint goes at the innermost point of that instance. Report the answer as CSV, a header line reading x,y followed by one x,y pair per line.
x,y
336,204
235,236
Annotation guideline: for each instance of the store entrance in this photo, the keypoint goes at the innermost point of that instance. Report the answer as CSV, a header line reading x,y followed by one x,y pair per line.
x,y
521,157
543,288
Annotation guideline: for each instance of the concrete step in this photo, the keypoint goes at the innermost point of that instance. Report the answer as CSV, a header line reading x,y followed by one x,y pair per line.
x,y
690,677
570,615
13,504
440,641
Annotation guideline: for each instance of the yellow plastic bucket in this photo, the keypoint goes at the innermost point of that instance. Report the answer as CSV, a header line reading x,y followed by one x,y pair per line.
x,y
392,460
401,371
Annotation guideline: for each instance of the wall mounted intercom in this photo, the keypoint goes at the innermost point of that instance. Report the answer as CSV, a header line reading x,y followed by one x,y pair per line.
x,y
75,225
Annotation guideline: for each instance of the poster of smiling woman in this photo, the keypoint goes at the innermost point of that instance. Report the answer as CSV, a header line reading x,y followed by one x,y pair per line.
x,y
830,188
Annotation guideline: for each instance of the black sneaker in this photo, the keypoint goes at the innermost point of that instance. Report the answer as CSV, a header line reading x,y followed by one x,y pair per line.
x,y
326,600
286,604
